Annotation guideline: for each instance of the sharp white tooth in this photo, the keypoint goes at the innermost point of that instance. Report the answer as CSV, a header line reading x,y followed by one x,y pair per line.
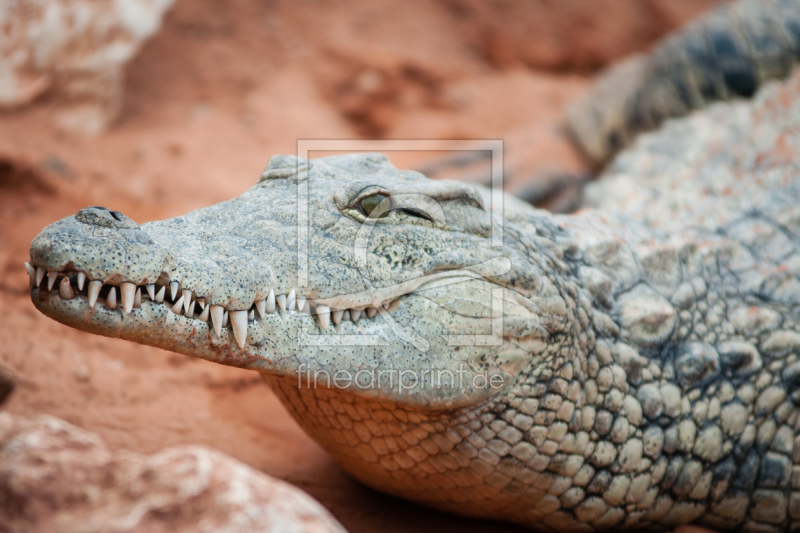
x,y
225,319
178,305
251,315
371,312
81,280
217,313
324,314
94,291
239,323
201,303
31,273
337,316
204,315
127,291
173,289
291,301
65,289
271,301
160,296
301,303
137,298
187,299
39,276
355,314
386,305
51,280
261,305
190,312
151,291
111,299
281,299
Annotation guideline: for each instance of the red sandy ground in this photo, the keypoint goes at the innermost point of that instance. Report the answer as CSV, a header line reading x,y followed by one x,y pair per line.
x,y
220,89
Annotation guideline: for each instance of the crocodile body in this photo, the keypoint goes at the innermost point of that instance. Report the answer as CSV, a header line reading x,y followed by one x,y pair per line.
x,y
644,371
728,53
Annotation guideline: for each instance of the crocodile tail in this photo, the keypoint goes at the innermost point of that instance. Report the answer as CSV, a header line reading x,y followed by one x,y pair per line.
x,y
730,52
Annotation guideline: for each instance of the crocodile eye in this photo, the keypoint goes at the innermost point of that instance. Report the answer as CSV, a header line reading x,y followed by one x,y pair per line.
x,y
369,203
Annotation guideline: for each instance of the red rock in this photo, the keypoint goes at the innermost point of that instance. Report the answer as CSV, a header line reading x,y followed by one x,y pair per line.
x,y
55,477
75,50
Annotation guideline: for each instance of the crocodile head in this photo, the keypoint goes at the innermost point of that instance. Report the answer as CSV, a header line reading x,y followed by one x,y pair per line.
x,y
341,271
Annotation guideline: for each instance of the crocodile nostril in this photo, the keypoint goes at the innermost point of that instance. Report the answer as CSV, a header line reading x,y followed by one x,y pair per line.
x,y
104,217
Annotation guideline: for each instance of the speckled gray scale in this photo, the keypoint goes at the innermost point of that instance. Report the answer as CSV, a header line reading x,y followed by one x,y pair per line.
x,y
645,371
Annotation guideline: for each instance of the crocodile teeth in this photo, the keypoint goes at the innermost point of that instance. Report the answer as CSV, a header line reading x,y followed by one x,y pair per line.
x,y
151,291
260,307
355,314
51,280
65,289
204,315
281,298
371,312
346,315
239,323
187,299
337,316
178,305
137,298
127,290
190,312
111,299
271,301
324,314
225,319
94,291
291,301
217,313
173,289
39,276
31,272
81,280
160,296
251,315
301,303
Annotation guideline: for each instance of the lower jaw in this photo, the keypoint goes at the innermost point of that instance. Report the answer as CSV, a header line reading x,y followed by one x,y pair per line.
x,y
272,340
150,324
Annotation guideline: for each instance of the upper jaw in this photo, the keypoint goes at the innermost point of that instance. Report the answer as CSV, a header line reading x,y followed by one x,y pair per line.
x,y
104,259
101,265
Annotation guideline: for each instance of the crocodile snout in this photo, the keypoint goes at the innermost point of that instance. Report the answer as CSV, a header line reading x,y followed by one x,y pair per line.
x,y
104,217
103,244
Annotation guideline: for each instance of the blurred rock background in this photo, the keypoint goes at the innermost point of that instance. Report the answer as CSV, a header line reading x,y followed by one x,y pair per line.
x,y
155,109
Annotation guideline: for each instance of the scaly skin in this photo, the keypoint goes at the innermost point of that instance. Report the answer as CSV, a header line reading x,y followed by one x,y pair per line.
x,y
643,375
728,53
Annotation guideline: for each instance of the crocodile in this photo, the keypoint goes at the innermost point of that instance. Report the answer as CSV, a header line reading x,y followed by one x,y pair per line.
x,y
728,53
634,364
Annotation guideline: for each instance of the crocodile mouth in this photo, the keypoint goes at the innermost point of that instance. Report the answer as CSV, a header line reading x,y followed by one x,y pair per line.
x,y
123,297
